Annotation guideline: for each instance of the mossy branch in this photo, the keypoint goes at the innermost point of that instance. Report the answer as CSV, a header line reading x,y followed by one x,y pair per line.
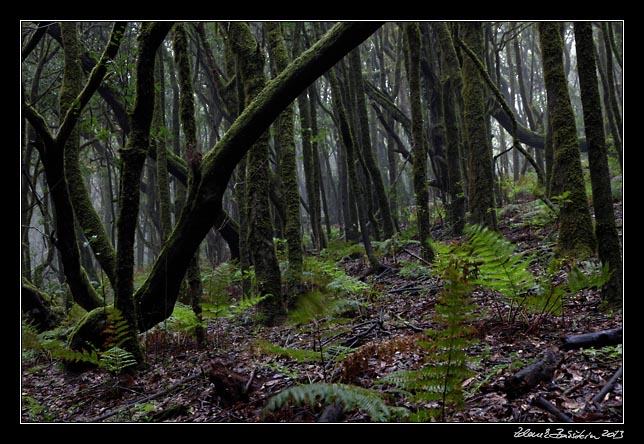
x,y
515,139
94,81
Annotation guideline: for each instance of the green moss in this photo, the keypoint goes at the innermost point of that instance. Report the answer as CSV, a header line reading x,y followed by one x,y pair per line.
x,y
288,166
419,162
576,236
479,153
260,228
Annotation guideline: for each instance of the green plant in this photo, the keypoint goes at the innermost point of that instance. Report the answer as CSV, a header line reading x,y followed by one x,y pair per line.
x,y
35,411
437,386
414,270
115,360
496,265
333,352
350,397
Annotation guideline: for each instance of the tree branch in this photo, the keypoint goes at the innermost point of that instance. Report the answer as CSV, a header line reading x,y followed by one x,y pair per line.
x,y
94,81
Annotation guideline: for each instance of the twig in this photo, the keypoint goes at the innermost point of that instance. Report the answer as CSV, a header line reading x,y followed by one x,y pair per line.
x,y
549,407
250,380
416,256
599,397
145,399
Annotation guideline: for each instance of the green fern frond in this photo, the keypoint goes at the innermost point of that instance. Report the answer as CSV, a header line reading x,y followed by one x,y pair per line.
x,y
117,331
75,356
115,360
348,396
291,353
499,268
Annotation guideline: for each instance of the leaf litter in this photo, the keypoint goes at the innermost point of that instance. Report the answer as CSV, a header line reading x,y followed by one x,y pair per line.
x,y
175,385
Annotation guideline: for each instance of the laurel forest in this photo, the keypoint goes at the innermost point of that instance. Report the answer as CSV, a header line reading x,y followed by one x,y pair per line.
x,y
321,222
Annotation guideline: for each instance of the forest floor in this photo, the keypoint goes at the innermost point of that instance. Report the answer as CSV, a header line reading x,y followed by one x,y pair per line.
x,y
231,378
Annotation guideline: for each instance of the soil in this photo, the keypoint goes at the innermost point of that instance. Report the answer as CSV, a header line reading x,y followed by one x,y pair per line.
x,y
231,377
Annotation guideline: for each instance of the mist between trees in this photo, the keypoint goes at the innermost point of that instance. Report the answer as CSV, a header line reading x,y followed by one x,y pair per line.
x,y
153,151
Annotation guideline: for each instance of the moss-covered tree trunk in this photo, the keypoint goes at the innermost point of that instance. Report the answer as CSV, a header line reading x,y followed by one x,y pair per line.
x,y
158,143
52,154
355,186
86,215
132,160
452,84
157,295
315,164
610,89
260,228
413,39
287,166
192,155
355,71
605,230
481,203
575,227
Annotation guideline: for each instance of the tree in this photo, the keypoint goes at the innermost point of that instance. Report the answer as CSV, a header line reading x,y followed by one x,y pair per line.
x,y
287,165
412,35
605,229
481,205
157,295
575,227
452,82
250,62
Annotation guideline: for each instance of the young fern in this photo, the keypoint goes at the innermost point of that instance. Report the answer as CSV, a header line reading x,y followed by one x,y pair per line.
x,y
437,386
350,397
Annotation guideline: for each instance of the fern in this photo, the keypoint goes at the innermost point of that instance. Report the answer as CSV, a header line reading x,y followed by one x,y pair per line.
x,y
117,331
437,386
333,352
115,360
59,351
348,396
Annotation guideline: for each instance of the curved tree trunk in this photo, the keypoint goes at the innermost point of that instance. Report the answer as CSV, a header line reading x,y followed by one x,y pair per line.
x,y
52,153
133,158
157,295
86,215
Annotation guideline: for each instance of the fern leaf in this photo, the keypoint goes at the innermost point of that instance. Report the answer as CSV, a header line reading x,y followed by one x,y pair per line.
x,y
349,396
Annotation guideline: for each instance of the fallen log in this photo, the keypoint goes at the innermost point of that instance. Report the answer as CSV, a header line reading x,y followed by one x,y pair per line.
x,y
594,339
546,405
531,376
599,397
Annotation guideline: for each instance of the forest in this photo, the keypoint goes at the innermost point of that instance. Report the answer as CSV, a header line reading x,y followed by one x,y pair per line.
x,y
321,222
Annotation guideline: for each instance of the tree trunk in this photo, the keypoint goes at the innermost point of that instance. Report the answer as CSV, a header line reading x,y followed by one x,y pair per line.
x,y
452,85
605,230
315,161
575,227
355,186
192,154
287,166
412,35
355,70
481,204
161,158
260,229
84,211
133,158
157,295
